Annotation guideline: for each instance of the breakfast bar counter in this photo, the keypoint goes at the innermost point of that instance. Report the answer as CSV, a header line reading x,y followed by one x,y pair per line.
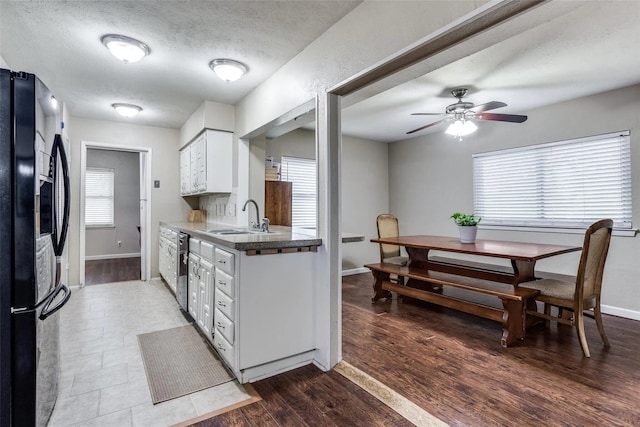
x,y
280,238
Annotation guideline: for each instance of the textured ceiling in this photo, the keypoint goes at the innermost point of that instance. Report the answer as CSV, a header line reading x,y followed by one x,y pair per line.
x,y
60,41
578,49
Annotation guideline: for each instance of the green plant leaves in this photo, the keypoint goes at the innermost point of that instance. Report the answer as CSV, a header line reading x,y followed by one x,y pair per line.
x,y
465,219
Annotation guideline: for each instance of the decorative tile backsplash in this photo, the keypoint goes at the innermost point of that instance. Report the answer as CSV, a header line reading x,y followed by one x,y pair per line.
x,y
220,208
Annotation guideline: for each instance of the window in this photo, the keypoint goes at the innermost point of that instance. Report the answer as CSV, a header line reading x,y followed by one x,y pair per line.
x,y
565,184
98,210
302,173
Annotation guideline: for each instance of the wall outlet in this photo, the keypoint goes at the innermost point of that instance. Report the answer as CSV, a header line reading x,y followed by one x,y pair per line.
x,y
119,243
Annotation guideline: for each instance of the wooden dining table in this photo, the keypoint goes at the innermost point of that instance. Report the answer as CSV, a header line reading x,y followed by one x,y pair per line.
x,y
496,280
522,255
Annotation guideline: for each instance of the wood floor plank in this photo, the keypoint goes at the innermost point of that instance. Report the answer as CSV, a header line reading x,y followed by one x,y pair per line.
x,y
452,365
256,414
112,270
464,377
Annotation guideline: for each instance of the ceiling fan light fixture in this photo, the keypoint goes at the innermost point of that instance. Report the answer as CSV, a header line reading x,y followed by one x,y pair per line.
x,y
461,128
125,48
228,69
126,110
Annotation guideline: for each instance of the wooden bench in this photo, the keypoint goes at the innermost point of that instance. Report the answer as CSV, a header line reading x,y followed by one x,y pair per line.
x,y
514,300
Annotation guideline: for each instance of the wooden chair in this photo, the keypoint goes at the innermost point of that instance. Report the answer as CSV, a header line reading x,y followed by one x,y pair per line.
x,y
584,293
390,254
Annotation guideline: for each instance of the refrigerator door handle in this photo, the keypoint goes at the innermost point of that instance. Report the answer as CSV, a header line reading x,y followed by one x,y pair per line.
x,y
47,310
59,239
47,299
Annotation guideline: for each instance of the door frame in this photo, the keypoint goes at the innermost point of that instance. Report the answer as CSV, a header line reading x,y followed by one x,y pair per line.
x,y
145,203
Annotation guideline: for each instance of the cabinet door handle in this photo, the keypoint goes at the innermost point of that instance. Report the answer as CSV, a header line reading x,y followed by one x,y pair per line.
x,y
220,282
220,326
221,261
221,304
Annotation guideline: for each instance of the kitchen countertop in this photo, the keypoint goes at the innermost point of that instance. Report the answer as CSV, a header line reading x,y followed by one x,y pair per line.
x,y
282,237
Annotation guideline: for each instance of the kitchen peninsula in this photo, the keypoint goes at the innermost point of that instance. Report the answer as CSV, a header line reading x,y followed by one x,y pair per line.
x,y
250,294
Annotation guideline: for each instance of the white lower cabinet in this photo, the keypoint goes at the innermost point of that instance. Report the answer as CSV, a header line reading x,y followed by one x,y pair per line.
x,y
193,282
205,303
168,257
258,311
200,288
224,314
264,317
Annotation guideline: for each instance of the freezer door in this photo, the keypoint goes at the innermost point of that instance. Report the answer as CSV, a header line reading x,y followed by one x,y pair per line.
x,y
6,239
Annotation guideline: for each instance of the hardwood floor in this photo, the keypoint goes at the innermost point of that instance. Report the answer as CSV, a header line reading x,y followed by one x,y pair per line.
x,y
452,365
111,270
309,397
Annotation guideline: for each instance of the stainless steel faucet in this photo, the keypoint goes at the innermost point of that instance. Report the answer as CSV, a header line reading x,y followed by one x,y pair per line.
x,y
255,225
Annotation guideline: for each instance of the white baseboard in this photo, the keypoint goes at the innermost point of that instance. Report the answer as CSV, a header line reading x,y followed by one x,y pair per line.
x,y
111,256
353,271
620,312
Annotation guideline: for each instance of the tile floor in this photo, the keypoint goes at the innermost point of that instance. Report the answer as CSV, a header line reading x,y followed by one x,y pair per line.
x,y
103,382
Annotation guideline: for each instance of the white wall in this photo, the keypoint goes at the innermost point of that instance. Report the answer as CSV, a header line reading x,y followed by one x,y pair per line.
x,y
370,33
365,195
165,202
102,242
365,187
297,143
430,178
210,115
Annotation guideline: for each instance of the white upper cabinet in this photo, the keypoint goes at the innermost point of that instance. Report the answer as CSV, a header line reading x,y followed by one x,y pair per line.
x,y
206,164
185,170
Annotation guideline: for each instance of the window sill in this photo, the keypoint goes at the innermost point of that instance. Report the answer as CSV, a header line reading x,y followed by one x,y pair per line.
x,y
93,227
616,232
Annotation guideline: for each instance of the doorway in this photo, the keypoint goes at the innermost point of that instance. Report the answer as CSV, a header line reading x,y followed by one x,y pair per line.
x,y
114,213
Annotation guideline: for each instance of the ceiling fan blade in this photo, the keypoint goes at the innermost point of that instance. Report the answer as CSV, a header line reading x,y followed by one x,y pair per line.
x,y
424,127
428,114
488,106
513,118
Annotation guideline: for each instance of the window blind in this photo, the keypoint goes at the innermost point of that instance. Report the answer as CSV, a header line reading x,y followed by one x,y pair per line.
x,y
98,211
564,184
302,173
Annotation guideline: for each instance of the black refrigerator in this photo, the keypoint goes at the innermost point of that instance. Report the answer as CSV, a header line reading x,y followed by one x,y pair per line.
x,y
34,212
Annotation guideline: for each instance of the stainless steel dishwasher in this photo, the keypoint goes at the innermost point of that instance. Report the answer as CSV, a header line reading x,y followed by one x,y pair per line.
x,y
182,271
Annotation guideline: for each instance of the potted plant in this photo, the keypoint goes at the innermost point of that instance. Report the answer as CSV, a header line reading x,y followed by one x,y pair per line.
x,y
467,226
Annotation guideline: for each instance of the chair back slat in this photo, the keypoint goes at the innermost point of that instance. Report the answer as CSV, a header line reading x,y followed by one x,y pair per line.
x,y
594,254
388,227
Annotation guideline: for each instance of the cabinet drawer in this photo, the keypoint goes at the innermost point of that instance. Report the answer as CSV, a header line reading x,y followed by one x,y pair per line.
x,y
224,349
224,304
225,261
225,283
194,246
206,250
223,325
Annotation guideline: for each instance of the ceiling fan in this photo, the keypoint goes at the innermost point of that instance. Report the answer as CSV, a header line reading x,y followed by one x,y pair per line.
x,y
464,111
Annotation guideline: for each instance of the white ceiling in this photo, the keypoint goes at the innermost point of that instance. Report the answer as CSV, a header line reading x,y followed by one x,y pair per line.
x,y
60,42
590,47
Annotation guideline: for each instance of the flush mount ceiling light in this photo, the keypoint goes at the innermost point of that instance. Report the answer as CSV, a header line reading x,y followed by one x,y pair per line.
x,y
125,48
127,110
228,69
